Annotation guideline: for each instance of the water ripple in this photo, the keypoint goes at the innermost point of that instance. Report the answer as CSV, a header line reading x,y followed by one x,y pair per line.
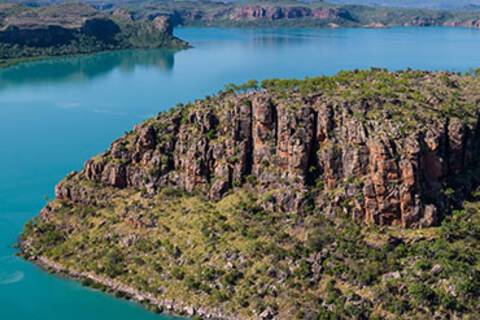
x,y
15,277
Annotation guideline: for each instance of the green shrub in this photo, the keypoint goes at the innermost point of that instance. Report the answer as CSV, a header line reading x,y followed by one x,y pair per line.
x,y
422,293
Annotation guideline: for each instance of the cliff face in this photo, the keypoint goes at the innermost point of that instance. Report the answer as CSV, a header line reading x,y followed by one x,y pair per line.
x,y
469,23
74,29
384,160
253,12
43,36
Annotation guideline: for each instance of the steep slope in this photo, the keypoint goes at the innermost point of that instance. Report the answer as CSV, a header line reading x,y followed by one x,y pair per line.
x,y
27,33
396,142
431,4
257,203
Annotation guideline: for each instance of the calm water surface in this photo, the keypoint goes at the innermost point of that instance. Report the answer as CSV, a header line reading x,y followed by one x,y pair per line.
x,y
54,115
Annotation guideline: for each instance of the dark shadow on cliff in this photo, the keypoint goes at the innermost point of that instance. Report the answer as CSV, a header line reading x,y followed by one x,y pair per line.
x,y
86,68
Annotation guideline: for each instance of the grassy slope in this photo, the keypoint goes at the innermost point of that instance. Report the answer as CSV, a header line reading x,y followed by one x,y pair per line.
x,y
235,255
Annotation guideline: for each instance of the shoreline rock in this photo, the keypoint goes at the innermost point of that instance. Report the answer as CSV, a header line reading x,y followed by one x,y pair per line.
x,y
127,292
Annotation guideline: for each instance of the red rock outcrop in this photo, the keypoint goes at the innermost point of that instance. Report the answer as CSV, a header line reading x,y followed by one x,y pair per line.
x,y
253,12
297,148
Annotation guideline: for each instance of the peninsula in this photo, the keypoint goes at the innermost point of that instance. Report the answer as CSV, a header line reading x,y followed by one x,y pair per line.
x,y
70,29
352,196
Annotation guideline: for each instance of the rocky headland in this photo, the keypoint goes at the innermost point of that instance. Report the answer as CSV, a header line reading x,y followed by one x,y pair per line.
x,y
327,197
67,29
396,162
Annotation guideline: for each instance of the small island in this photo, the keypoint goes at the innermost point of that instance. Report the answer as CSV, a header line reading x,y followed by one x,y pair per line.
x,y
345,197
71,29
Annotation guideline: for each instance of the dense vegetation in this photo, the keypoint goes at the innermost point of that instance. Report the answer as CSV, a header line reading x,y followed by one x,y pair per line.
x,y
238,256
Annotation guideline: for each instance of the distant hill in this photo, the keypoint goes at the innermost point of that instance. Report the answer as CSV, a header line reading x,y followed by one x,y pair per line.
x,y
30,33
291,13
431,4
425,4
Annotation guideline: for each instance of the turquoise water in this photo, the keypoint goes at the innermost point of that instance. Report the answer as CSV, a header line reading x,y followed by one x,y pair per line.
x,y
54,115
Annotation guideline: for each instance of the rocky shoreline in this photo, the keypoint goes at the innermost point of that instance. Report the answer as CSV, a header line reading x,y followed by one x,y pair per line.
x,y
119,289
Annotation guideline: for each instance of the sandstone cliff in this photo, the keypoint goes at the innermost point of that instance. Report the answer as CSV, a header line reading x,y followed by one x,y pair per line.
x,y
385,158
252,12
75,29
